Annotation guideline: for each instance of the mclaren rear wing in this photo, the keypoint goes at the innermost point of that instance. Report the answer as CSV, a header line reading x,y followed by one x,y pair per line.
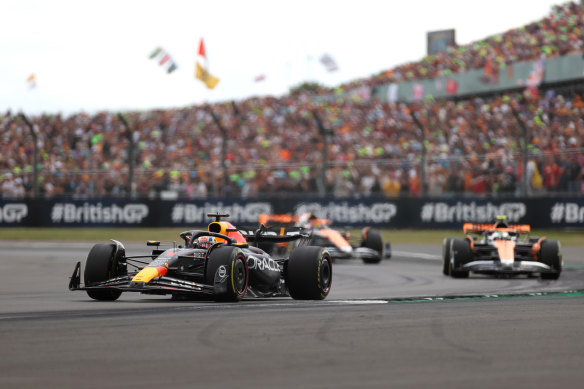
x,y
286,219
283,219
473,228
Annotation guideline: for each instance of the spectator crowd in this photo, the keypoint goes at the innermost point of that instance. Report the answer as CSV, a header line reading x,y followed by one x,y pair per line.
x,y
560,33
279,145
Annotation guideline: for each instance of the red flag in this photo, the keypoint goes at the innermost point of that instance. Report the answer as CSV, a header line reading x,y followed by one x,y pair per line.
x,y
451,87
202,49
259,78
164,59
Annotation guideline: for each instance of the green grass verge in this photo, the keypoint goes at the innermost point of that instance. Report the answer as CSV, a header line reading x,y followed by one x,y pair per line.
x,y
566,238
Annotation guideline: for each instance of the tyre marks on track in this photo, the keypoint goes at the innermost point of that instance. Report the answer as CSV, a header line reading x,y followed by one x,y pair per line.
x,y
462,352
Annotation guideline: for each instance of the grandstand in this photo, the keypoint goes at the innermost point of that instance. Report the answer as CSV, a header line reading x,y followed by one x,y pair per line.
x,y
502,131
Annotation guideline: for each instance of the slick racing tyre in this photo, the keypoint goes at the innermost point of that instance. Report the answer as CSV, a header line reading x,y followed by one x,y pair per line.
x,y
309,273
551,256
446,256
372,239
227,271
101,265
460,254
387,251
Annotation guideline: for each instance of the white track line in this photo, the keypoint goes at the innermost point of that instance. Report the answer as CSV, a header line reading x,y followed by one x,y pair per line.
x,y
358,302
430,257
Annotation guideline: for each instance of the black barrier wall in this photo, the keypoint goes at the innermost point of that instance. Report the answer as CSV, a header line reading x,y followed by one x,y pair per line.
x,y
424,213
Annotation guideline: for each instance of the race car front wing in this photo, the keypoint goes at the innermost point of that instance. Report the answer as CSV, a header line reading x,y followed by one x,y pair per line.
x,y
159,285
356,253
495,266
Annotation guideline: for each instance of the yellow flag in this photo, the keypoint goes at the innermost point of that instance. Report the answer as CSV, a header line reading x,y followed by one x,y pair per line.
x,y
208,79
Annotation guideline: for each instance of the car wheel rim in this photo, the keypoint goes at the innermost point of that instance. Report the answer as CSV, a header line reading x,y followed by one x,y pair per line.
x,y
239,276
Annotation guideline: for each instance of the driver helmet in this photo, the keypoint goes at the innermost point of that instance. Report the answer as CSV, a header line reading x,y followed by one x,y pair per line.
x,y
305,220
205,242
501,222
314,221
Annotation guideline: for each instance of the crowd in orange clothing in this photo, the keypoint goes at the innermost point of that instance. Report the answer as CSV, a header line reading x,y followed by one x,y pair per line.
x,y
275,145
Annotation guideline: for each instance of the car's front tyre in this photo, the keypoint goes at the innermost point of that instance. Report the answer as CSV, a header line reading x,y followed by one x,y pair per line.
x,y
460,254
550,255
372,239
227,271
102,265
446,256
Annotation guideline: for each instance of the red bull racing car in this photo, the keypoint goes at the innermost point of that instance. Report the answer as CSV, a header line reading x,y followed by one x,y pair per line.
x,y
501,249
219,263
370,248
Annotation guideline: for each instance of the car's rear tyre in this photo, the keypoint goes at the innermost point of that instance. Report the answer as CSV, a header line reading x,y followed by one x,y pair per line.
x,y
460,254
309,273
387,251
372,239
227,271
446,256
550,255
101,265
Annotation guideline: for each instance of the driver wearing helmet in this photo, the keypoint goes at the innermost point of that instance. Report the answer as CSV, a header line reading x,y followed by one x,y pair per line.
x,y
499,235
501,222
205,242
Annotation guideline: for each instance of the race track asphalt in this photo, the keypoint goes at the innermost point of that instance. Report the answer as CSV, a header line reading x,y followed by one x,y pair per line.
x,y
397,324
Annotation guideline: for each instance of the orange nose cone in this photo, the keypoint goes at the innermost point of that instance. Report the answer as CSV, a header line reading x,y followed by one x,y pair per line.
x,y
506,250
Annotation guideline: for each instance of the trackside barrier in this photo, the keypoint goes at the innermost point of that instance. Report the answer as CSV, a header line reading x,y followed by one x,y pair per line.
x,y
419,213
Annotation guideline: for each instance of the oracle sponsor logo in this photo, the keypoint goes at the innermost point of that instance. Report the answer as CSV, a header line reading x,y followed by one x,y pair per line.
x,y
262,263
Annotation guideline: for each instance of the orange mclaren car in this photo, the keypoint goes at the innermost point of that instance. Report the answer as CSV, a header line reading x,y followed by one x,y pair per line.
x,y
370,248
501,248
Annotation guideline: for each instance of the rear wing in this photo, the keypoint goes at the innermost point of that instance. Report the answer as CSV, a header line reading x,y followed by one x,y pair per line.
x,y
286,219
274,234
472,228
278,219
